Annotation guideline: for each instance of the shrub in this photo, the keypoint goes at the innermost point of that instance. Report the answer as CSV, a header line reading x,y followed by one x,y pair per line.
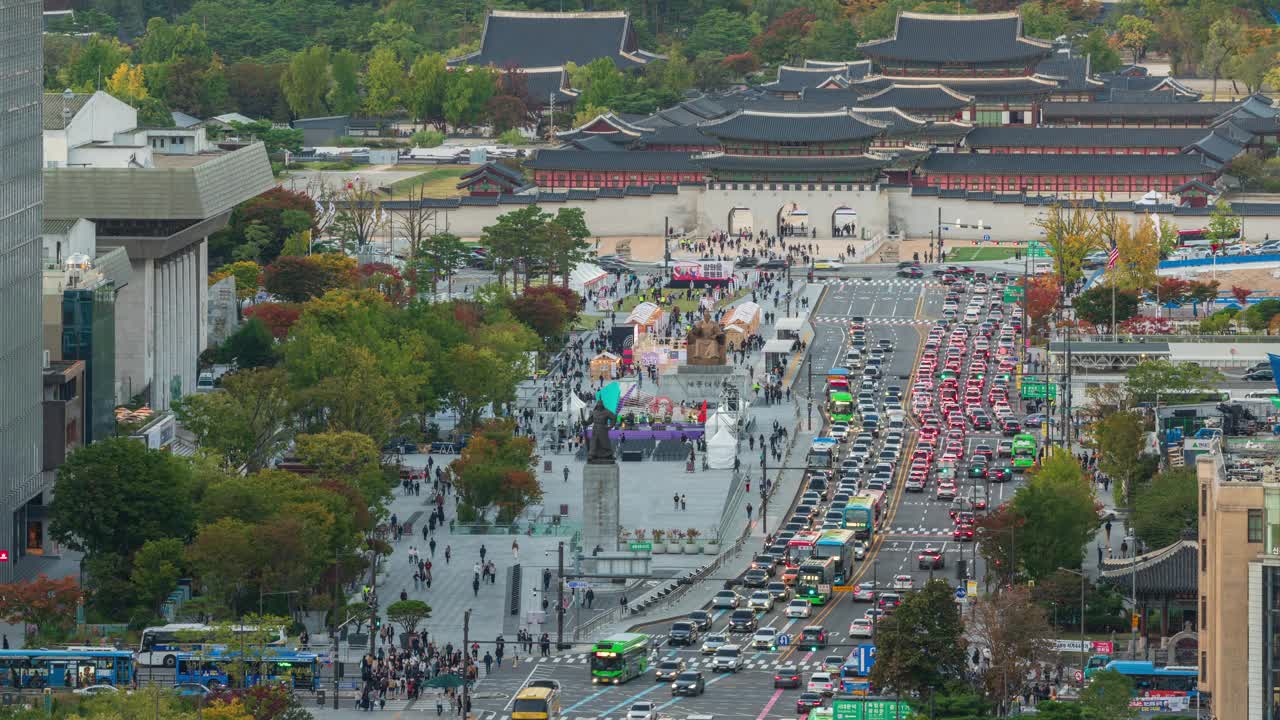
x,y
513,137
427,138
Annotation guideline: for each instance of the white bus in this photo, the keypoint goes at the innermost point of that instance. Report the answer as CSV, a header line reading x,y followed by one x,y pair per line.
x,y
161,645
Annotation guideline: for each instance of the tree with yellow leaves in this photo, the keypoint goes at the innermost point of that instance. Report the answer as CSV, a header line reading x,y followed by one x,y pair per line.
x,y
227,710
128,84
1139,256
1070,233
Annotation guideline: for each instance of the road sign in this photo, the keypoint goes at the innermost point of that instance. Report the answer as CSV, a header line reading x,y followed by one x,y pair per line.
x,y
1034,389
971,588
960,592
640,546
578,584
1036,250
860,709
1079,676
784,640
987,237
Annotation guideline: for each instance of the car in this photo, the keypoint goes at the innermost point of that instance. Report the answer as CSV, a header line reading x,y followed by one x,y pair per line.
x,y
864,593
946,491
97,690
668,669
713,642
761,600
701,619
682,632
821,682
765,638
813,637
763,562
689,682
825,264
1033,420
779,591
1000,474
773,264
726,599
859,550
931,558
963,533
808,701
911,272
743,621
191,689
727,659
903,582
978,469
747,261
861,627
755,578
1263,374
786,676
1005,447
888,601
873,614
798,609
983,450
789,576
642,711
833,663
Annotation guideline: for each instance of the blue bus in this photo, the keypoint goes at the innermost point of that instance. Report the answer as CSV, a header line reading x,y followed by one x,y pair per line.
x,y
37,669
1149,680
299,670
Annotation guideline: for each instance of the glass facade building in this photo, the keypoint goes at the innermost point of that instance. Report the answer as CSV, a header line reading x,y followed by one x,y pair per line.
x,y
21,128
89,334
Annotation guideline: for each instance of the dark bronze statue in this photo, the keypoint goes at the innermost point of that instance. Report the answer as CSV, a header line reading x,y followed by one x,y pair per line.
x,y
600,451
706,342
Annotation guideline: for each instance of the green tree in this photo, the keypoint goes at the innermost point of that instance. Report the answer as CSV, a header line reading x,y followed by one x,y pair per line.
x,y
512,241
599,83
248,422
408,614
496,469
276,140
224,557
783,39
427,88
1107,696
250,346
440,256
475,381
156,570
922,644
1135,33
344,94
1094,305
1057,710
117,494
1225,41
1165,507
1045,21
1121,440
349,456
828,39
467,95
92,63
1059,515
721,31
1251,67
1150,379
1102,57
1224,223
384,82
1071,233
709,72
164,42
307,80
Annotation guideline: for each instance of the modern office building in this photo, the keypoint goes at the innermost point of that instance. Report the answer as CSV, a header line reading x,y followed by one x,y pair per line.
x,y
21,425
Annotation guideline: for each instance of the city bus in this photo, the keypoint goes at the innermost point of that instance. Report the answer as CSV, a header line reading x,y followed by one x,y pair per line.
x,y
838,380
840,407
1149,680
216,667
161,645
619,658
22,669
862,514
822,453
536,703
837,544
800,548
1024,452
813,583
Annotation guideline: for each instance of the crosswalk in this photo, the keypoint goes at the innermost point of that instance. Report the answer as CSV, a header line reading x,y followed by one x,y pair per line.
x,y
491,715
844,320
882,282
904,530
769,663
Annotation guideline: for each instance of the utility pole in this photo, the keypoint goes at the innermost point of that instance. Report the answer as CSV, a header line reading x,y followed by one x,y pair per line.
x,y
666,244
560,597
337,659
466,662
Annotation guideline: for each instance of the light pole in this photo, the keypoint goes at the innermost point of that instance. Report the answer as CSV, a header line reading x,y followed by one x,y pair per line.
x,y
1084,655
1132,540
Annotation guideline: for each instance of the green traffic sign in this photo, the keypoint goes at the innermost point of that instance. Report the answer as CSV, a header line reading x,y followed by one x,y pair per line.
x,y
1036,249
860,709
1034,390
640,546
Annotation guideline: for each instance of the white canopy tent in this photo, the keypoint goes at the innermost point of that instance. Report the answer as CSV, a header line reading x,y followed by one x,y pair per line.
x,y
585,276
719,420
722,448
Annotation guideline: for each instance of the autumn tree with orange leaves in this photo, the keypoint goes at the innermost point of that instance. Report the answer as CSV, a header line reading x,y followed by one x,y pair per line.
x,y
46,607
496,470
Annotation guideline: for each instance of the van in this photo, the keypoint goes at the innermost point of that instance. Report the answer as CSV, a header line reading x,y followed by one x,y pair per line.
x,y
728,658
536,703
204,383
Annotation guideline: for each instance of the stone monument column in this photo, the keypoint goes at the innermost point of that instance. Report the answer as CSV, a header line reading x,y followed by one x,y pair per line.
x,y
600,513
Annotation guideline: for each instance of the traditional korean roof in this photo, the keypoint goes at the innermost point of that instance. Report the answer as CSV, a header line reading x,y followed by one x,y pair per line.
x,y
757,126
1218,145
548,39
1042,137
1149,83
623,160
1254,106
827,97
678,135
1103,110
817,164
598,143
1170,570
927,38
1039,164
542,82
794,79
933,97
851,69
1196,184
604,124
979,87
1071,73
497,170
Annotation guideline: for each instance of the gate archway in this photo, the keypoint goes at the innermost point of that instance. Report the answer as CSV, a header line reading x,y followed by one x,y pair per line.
x,y
844,222
793,221
741,219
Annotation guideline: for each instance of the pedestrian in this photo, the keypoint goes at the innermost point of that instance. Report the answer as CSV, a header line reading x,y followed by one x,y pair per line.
x,y
566,473
675,501
488,663
1124,548
546,579
432,545
1099,555
683,502
749,508
591,597
439,706
483,550
475,586
476,569
448,553
1107,527
515,550
623,602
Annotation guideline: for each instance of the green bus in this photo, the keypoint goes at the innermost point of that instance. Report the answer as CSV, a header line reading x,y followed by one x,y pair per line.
x,y
814,580
841,407
619,658
1024,452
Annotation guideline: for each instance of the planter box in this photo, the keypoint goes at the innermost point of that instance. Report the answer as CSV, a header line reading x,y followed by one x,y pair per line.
x,y
659,548
711,548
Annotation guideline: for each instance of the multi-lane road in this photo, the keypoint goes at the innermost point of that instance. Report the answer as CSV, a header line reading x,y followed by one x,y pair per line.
x,y
898,309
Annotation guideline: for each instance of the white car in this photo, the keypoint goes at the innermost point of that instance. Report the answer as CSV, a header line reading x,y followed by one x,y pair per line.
x,y
764,639
760,600
820,682
726,599
798,609
714,642
864,593
97,690
839,431
727,659
643,711
902,582
860,627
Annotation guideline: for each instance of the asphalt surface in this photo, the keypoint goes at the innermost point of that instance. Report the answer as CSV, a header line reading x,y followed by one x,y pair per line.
x,y
898,309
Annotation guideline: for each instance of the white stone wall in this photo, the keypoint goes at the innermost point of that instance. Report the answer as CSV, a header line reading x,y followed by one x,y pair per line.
x,y
1253,644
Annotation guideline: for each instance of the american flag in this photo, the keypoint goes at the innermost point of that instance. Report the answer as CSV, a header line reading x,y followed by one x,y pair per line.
x,y
1113,256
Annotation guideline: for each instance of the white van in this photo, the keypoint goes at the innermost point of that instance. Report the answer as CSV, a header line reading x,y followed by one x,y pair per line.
x,y
204,383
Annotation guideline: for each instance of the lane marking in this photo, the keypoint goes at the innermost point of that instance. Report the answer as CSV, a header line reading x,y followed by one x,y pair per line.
x,y
584,701
769,705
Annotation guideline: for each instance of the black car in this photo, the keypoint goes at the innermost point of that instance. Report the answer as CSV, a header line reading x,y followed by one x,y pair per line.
x,y
813,637
746,262
701,619
786,676
911,272
1010,428
981,422
683,632
1000,474
743,621
773,264
755,578
763,562
1263,374
689,682
808,701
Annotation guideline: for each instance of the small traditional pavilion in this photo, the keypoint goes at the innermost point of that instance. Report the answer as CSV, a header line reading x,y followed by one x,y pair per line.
x,y
491,179
1165,581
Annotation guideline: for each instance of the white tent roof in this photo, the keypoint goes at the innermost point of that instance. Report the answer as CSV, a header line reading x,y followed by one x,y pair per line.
x,y
643,313
722,448
743,313
585,275
720,420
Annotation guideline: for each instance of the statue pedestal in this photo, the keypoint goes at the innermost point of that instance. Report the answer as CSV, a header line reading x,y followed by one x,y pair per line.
x,y
601,521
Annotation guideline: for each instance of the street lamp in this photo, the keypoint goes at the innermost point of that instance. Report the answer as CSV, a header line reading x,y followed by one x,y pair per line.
x,y
1084,662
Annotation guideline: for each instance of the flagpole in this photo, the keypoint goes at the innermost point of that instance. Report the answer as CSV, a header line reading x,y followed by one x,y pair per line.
x,y
1113,310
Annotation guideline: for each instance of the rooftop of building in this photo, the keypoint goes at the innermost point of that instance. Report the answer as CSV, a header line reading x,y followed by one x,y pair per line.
x,y
522,39
978,39
60,108
816,127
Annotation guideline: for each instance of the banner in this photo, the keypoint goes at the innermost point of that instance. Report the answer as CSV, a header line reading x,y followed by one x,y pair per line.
x,y
1171,704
